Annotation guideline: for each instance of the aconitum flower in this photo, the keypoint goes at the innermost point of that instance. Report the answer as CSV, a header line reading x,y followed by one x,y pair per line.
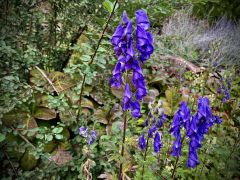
x,y
192,161
157,143
200,124
127,99
123,43
181,118
135,108
161,119
142,142
176,149
152,130
144,38
83,131
91,137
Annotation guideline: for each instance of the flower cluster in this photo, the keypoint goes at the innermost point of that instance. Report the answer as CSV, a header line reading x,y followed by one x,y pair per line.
x,y
200,124
157,122
122,41
225,89
144,38
181,119
91,137
195,129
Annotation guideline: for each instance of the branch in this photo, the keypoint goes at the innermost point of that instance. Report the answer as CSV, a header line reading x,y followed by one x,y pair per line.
x,y
49,80
182,62
73,41
93,56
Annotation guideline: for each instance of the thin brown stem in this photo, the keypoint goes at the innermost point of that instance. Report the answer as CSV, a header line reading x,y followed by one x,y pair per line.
x,y
93,56
120,175
6,154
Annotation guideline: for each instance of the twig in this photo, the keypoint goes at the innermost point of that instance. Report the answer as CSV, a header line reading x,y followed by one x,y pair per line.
x,y
92,58
182,62
5,153
72,43
49,80
120,175
51,83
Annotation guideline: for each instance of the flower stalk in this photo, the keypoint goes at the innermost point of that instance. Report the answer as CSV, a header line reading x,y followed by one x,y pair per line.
x,y
120,175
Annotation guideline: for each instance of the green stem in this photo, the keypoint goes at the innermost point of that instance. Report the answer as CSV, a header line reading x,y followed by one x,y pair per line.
x,y
145,156
120,175
92,59
176,162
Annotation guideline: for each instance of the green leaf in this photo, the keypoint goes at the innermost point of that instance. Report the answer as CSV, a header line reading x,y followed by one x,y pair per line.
x,y
57,130
40,136
108,5
28,161
59,136
2,137
49,137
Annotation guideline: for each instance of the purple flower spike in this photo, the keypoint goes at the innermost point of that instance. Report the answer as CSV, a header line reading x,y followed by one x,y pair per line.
x,y
124,47
142,19
157,143
142,142
144,38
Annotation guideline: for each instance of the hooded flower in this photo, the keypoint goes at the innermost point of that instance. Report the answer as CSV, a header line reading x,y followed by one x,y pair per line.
x,y
127,100
181,118
176,149
142,142
90,137
135,107
192,161
142,19
152,130
161,119
157,143
123,43
144,38
200,124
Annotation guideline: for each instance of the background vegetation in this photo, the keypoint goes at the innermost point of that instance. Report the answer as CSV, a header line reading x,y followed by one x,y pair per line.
x,y
45,50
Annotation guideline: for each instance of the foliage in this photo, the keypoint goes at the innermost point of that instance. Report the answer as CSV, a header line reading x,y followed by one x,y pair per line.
x,y
45,50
